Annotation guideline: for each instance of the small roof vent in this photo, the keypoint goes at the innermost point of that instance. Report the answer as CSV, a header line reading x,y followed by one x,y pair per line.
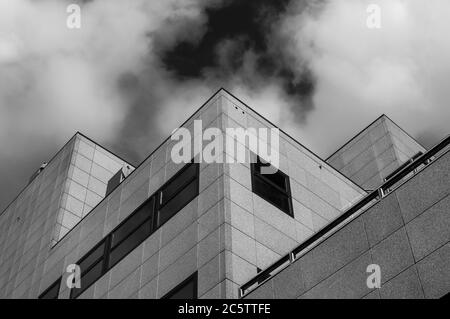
x,y
36,173
118,178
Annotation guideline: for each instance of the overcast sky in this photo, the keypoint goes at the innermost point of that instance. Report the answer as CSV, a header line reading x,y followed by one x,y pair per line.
x,y
136,69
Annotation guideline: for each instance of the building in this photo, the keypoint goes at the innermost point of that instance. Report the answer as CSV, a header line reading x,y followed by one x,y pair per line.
x,y
224,230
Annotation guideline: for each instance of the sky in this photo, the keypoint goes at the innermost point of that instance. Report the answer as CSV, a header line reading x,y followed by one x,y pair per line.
x,y
136,69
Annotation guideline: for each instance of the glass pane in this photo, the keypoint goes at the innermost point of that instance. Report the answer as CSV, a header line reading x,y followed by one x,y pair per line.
x,y
278,178
177,202
271,194
88,278
92,257
187,291
132,222
52,292
131,242
178,183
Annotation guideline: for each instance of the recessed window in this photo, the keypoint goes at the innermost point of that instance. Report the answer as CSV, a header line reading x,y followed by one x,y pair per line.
x,y
92,267
52,292
143,214
178,183
130,243
186,290
138,226
178,193
92,257
274,188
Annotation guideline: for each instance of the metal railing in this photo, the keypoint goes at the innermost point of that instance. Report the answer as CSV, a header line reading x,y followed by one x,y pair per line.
x,y
413,166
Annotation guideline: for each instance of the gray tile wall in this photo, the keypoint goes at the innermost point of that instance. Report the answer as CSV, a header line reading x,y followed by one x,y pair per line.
x,y
90,169
27,225
60,196
375,153
224,234
407,234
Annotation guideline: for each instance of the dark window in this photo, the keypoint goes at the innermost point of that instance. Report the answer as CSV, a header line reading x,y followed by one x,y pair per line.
x,y
178,193
92,267
178,183
90,276
177,203
186,290
52,292
127,245
137,227
92,257
141,215
274,188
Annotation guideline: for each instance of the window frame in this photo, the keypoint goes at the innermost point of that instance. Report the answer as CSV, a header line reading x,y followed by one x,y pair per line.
x,y
111,249
75,292
158,194
46,291
151,219
255,175
173,291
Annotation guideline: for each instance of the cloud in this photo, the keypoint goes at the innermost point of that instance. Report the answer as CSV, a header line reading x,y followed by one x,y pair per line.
x,y
401,69
55,80
137,69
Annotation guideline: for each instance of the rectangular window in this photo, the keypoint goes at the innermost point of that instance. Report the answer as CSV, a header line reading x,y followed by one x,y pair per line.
x,y
186,290
178,183
52,292
143,214
130,243
92,257
92,267
177,193
274,188
139,225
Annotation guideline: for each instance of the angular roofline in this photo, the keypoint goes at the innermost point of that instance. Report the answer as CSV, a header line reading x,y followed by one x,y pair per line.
x,y
364,129
294,139
187,120
136,168
109,151
77,133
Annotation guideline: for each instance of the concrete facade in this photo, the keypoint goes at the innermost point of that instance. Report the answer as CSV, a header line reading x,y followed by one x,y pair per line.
x,y
72,183
226,234
374,153
407,234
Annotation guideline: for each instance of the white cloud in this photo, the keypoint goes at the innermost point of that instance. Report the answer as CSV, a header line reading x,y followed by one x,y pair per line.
x,y
55,80
361,73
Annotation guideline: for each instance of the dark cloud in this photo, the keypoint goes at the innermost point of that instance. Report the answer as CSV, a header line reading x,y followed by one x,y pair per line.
x,y
234,30
233,40
138,68
246,22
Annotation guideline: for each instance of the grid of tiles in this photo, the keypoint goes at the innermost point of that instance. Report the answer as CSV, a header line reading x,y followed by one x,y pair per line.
x,y
212,234
90,169
374,153
26,228
406,234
